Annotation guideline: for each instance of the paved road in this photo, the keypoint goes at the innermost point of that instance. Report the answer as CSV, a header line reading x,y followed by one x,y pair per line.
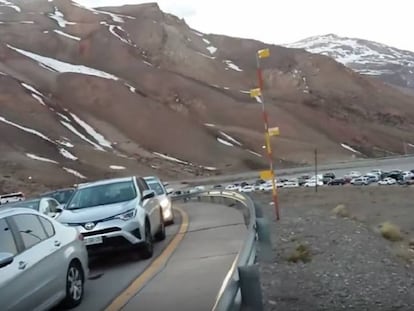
x,y
195,272
119,270
403,163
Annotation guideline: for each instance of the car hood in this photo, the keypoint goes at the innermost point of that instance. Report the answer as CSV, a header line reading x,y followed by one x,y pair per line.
x,y
95,213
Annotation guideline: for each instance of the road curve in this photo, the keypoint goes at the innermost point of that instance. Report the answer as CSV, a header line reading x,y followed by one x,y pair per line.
x,y
194,274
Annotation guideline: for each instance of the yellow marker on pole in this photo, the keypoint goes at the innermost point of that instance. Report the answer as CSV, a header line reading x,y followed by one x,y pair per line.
x,y
274,131
255,92
266,175
263,53
268,146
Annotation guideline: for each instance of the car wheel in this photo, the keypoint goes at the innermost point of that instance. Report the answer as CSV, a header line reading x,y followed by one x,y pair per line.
x,y
160,235
74,285
148,246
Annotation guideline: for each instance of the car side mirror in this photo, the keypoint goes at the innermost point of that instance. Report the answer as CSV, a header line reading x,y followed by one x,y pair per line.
x,y
147,194
6,259
169,191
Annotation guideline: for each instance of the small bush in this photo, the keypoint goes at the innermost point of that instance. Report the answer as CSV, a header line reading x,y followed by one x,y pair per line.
x,y
341,211
301,253
391,232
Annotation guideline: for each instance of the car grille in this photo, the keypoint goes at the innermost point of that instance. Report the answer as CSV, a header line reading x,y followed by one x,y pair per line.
x,y
103,231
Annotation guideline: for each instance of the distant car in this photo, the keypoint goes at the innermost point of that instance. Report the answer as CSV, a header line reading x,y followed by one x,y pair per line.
x,y
247,188
313,183
11,197
376,172
387,181
217,186
354,174
360,181
42,262
231,187
337,182
154,183
121,213
60,195
329,175
46,206
372,178
291,184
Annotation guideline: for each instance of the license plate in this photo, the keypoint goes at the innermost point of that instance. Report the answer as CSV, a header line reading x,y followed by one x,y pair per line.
x,y
93,240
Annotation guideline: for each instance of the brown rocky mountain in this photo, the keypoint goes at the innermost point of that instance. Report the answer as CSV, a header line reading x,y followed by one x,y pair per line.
x,y
132,90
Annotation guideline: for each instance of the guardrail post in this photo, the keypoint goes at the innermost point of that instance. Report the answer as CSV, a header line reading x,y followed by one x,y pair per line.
x,y
265,242
249,280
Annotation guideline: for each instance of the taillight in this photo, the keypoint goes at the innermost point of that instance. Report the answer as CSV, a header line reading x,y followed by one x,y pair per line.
x,y
80,236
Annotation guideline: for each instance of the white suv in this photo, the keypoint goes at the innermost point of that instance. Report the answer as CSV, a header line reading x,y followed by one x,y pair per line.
x,y
116,213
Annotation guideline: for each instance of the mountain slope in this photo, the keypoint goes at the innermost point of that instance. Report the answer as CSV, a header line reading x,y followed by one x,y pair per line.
x,y
91,93
391,65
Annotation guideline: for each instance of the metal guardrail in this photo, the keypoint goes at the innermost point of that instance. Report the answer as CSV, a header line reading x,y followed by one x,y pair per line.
x,y
241,289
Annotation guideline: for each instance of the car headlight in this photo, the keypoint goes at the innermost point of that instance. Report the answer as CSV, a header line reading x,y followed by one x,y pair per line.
x,y
127,215
165,203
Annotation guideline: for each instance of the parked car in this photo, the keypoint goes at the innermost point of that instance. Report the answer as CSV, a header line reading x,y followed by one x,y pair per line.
x,y
154,183
231,187
372,178
354,174
387,181
329,175
46,206
120,213
337,182
11,197
360,181
313,183
42,262
60,195
291,184
247,188
407,181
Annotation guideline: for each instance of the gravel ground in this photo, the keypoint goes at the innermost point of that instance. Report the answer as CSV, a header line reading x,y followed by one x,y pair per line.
x,y
351,267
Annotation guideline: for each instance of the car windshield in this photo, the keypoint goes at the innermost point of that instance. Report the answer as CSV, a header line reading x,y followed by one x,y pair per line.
x,y
62,196
102,195
156,187
32,204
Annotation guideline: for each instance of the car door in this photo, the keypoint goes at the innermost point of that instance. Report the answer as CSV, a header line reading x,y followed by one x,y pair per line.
x,y
35,268
151,206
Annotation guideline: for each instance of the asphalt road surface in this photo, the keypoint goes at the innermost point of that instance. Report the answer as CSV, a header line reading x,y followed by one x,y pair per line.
x,y
365,165
194,274
116,272
191,277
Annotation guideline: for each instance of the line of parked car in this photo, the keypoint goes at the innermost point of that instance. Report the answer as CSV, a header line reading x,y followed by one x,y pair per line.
x,y
328,179
58,231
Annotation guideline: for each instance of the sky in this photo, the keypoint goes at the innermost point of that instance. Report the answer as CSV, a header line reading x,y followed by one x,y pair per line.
x,y
280,22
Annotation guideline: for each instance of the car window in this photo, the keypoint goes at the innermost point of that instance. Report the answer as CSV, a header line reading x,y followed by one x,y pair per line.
x,y
30,229
156,186
48,226
7,243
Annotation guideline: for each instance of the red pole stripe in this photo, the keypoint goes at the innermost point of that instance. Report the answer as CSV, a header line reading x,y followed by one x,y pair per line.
x,y
260,78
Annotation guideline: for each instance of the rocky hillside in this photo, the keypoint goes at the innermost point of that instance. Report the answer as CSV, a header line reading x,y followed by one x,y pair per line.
x,y
90,93
389,64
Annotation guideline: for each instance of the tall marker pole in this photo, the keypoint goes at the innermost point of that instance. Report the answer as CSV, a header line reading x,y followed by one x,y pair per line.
x,y
258,95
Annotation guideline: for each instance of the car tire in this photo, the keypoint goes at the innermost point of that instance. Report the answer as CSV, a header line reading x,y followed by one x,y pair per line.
x,y
160,235
147,249
75,280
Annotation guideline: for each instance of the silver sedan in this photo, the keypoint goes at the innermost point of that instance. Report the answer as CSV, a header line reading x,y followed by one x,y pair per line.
x,y
42,262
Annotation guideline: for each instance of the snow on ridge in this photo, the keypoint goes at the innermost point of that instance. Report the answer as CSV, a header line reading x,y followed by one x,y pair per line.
x,y
231,65
100,139
63,116
61,66
350,148
38,158
209,124
73,172
206,41
116,17
39,99
71,128
30,88
59,18
64,34
206,56
167,157
65,143
209,168
26,129
255,153
10,5
230,138
211,49
67,154
112,29
147,63
117,167
224,142
197,33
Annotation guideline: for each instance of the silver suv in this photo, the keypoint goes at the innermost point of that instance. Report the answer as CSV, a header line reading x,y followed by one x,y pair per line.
x,y
116,214
154,183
